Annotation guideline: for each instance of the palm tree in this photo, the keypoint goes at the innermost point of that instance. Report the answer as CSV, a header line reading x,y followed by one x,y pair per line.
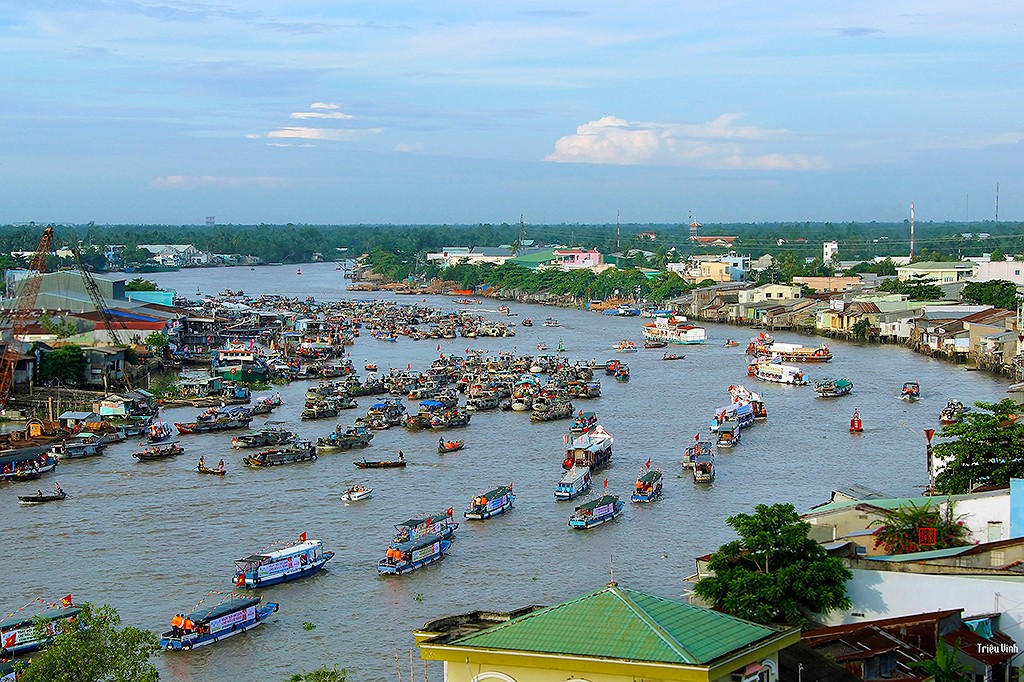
x,y
945,667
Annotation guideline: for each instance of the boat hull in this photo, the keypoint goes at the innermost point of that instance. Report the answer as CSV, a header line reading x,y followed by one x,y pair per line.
x,y
593,522
486,514
188,643
252,581
646,497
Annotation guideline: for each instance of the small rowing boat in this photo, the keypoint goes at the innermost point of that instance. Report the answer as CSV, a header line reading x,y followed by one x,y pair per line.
x,y
381,464
40,498
450,446
672,356
207,470
159,451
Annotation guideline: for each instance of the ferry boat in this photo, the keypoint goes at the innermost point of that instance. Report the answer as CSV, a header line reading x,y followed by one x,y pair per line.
x,y
574,483
794,352
704,469
596,512
741,413
403,557
728,434
673,330
911,392
19,634
781,374
833,388
592,449
282,565
155,451
952,412
82,445
491,503
356,493
268,435
442,524
648,485
699,447
742,395
159,431
231,616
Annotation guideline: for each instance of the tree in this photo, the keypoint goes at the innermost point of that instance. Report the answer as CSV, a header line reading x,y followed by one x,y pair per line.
x,y
996,256
945,667
321,674
141,284
66,364
987,448
919,288
774,572
997,293
92,648
860,328
62,328
156,341
899,531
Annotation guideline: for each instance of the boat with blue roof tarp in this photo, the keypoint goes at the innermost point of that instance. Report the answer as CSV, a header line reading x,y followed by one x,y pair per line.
x,y
282,565
491,503
596,512
231,616
403,557
741,413
82,445
19,634
442,524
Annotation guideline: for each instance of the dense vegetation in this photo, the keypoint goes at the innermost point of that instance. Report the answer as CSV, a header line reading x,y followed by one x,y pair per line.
x,y
986,448
900,529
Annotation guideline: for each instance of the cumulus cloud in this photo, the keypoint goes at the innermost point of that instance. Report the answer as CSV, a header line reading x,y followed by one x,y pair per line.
x,y
192,182
720,144
328,134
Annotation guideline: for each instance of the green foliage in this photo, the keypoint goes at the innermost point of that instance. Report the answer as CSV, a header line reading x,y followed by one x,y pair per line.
x,y
860,328
93,648
945,667
321,674
996,256
919,288
996,293
774,572
307,626
156,341
987,448
141,284
63,327
66,364
898,529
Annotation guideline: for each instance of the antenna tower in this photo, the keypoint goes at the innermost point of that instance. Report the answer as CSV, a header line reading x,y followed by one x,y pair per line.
x,y
911,230
618,230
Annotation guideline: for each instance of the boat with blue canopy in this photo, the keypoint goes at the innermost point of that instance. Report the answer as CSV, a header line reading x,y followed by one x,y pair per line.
x,y
282,565
442,524
403,557
491,503
231,616
596,512
19,634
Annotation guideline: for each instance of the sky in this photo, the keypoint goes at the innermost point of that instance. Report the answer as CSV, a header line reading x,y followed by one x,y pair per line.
x,y
155,111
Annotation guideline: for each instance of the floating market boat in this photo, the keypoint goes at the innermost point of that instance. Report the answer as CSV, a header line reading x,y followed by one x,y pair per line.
x,y
740,412
381,463
704,468
404,557
491,503
339,440
622,373
574,483
911,392
211,471
596,512
159,431
442,524
833,388
673,330
728,434
268,435
155,451
82,445
26,464
216,419
952,412
19,633
794,352
264,569
445,446
655,344
356,492
299,451
592,449
699,447
230,616
582,422
672,356
625,346
648,485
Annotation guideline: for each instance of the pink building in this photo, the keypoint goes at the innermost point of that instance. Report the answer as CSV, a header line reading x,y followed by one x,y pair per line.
x,y
575,259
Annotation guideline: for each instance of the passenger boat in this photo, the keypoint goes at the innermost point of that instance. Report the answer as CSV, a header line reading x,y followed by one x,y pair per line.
x,y
794,352
483,402
596,512
672,356
82,445
19,633
155,451
743,396
230,616
625,346
728,434
699,447
216,419
833,388
491,503
299,451
208,470
450,446
592,449
266,404
264,569
159,431
911,392
41,498
268,435
381,464
781,374
952,412
648,485
442,524
582,422
356,492
559,409
403,557
26,464
740,413
622,373
339,440
673,330
574,483
527,322
704,469
552,322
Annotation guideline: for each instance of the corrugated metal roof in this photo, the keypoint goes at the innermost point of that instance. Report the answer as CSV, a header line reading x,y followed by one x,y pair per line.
x,y
922,556
620,623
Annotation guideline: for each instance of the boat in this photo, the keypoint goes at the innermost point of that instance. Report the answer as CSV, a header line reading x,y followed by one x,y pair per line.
x,y
232,615
739,412
574,482
648,485
542,346
778,373
728,434
622,373
655,344
552,322
83,445
26,464
731,344
299,560
320,409
381,464
699,447
207,470
559,409
704,468
592,449
527,322
952,412
41,498
833,388
370,367
216,419
582,422
446,446
491,503
673,330
744,396
356,492
911,392
596,512
155,451
299,451
483,402
442,524
19,632
625,346
352,437
672,356
159,431
794,352
268,435
403,557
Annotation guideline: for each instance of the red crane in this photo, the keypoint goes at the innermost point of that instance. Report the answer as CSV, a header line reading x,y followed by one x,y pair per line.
x,y
19,317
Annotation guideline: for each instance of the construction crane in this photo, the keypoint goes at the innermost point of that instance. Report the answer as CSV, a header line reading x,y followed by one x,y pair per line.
x,y
22,314
109,320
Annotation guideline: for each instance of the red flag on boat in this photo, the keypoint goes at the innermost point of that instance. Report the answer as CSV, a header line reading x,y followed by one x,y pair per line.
x,y
451,510
409,366
66,601
302,538
648,462
467,350
606,484
439,346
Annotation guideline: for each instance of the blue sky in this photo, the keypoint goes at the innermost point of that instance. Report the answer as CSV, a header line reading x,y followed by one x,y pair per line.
x,y
150,111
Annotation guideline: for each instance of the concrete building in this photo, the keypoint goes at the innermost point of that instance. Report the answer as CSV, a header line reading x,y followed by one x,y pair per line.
x,y
940,272
829,250
1008,270
576,259
828,285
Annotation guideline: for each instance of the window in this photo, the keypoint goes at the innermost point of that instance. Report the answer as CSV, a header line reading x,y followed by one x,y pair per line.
x,y
995,531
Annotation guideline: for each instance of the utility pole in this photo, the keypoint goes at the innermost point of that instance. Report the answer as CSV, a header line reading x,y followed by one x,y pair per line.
x,y
997,204
522,232
618,231
911,231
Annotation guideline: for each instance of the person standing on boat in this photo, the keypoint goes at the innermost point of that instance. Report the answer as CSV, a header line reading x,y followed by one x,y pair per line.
x,y
401,456
202,462
60,491
220,465
440,442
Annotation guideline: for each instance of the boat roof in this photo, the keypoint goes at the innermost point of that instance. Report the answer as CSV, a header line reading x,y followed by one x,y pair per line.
x,y
24,454
497,492
222,608
599,502
704,458
426,403
575,473
412,523
283,552
652,476
19,619
728,425
417,543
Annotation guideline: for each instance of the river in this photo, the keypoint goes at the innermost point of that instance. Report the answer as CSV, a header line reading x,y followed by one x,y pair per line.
x,y
153,538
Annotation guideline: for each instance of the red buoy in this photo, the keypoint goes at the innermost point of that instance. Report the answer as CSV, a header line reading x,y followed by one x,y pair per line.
x,y
855,424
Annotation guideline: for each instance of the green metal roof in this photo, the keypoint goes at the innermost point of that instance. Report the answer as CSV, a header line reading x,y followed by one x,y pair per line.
x,y
619,623
891,503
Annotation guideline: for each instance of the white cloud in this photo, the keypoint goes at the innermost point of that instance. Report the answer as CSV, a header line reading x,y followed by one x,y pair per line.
x,y
324,105
191,182
253,136
719,144
329,134
320,114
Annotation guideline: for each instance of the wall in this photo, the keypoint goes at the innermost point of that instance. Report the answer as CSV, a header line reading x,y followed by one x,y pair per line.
x,y
1011,271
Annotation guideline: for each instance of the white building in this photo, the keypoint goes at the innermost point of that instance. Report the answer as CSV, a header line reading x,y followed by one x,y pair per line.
x,y
829,251
1009,270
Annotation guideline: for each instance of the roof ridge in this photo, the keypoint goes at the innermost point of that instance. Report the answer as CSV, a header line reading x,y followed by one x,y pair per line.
x,y
651,623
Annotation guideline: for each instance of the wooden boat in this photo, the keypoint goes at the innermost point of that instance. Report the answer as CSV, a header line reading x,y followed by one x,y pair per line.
x,y
352,437
582,422
592,449
833,388
625,346
319,410
483,402
704,469
231,616
655,344
673,330
672,356
404,557
527,322
300,451
159,431
159,451
911,392
41,498
213,472
19,633
442,524
381,464
356,492
794,352
648,486
596,512
728,434
450,446
216,420
264,569
622,373
552,322
780,374
574,483
699,447
731,344
952,412
268,435
82,445
741,413
491,503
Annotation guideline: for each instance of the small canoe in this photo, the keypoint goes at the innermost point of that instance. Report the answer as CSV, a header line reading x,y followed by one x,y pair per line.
x,y
208,470
672,357
357,492
40,499
381,464
451,446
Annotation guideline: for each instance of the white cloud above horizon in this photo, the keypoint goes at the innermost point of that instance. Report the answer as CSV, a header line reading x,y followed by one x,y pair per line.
x,y
221,182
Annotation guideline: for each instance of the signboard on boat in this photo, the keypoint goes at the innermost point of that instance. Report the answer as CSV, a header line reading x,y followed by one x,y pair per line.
x,y
24,636
276,567
604,509
225,622
426,552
